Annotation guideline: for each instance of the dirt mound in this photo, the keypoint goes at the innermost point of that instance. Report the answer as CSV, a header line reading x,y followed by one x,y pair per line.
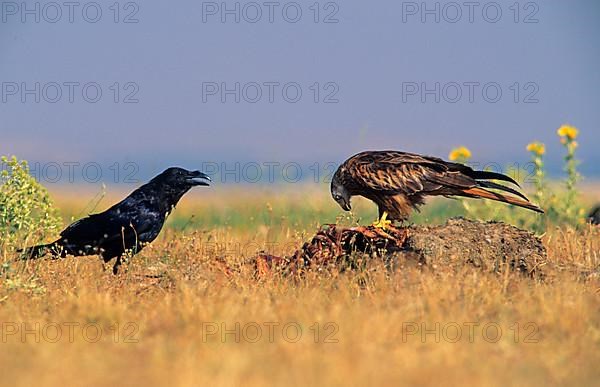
x,y
488,246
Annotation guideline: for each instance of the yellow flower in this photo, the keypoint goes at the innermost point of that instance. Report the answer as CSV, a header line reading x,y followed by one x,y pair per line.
x,y
568,131
460,153
537,148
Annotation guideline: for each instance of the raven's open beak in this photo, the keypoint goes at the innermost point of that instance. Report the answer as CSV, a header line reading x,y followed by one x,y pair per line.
x,y
198,178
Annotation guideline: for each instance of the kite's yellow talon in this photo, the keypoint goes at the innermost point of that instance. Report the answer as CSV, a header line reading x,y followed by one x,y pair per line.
x,y
382,223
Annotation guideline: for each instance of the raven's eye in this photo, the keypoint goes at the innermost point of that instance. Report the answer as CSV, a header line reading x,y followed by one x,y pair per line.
x,y
337,196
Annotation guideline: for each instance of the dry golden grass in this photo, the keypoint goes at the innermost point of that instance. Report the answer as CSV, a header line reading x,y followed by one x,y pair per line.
x,y
176,294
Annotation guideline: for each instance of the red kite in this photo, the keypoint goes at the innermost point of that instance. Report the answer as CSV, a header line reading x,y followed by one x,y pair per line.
x,y
398,182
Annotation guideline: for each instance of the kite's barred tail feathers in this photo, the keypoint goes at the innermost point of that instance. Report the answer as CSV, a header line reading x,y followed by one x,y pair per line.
x,y
478,192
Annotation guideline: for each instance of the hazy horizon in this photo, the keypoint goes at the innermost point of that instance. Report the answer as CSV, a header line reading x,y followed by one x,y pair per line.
x,y
369,77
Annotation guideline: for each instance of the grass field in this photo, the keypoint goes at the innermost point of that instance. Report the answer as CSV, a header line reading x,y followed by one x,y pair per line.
x,y
178,316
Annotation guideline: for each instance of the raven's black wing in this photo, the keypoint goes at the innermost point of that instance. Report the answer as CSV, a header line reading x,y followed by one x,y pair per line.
x,y
125,223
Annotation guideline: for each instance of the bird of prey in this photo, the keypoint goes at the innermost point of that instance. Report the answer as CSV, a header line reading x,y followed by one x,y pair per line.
x,y
398,183
127,226
594,216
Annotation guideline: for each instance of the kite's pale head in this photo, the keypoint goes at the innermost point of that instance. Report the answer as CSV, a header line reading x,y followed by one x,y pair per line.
x,y
339,193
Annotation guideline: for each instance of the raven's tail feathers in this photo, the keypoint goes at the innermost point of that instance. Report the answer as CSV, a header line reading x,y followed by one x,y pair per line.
x,y
35,252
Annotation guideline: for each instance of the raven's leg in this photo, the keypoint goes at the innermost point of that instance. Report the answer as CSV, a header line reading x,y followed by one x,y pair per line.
x,y
117,265
107,257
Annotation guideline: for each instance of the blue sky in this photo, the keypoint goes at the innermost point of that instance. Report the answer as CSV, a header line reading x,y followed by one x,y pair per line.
x,y
369,76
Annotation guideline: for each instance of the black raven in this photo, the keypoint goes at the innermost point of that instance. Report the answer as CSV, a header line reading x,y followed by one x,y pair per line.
x,y
127,226
594,216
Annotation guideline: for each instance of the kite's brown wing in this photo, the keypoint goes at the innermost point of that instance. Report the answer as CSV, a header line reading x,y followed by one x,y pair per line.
x,y
393,172
406,173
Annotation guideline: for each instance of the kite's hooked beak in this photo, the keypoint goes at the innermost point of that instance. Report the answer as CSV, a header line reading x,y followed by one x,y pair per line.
x,y
198,178
346,205
342,198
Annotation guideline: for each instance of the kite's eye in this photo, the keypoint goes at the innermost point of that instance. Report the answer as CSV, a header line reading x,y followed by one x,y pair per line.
x,y
337,196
